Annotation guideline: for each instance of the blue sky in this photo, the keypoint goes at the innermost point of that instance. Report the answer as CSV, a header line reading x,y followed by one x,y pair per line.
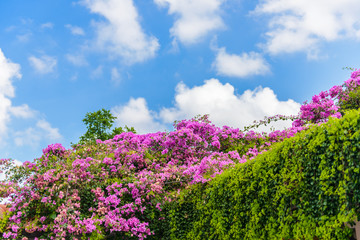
x,y
153,62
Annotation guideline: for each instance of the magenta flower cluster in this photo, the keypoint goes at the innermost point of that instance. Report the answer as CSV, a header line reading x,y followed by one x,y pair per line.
x,y
326,103
126,177
118,185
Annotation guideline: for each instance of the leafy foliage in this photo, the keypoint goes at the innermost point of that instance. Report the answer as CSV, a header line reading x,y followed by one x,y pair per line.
x,y
306,187
350,98
98,126
196,182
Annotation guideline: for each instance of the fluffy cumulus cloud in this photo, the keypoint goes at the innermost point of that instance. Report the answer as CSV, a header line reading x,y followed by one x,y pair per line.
x,y
33,135
8,72
5,105
136,113
240,66
300,25
225,107
23,111
121,33
49,132
195,19
214,98
44,64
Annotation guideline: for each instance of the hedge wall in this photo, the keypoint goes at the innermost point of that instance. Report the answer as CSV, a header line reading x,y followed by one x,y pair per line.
x,y
306,187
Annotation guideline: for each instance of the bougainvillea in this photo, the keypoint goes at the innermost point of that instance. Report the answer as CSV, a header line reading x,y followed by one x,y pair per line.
x,y
115,185
118,187
331,103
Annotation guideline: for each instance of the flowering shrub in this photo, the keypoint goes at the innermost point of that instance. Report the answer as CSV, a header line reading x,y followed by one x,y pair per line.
x,y
350,98
306,187
118,188
332,103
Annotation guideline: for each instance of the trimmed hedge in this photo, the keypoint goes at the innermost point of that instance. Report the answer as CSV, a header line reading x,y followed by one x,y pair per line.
x,y
306,187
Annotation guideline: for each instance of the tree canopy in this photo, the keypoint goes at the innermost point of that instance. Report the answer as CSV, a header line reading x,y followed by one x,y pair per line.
x,y
99,124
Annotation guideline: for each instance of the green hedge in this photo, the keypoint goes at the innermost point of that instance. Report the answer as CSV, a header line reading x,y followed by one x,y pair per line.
x,y
306,187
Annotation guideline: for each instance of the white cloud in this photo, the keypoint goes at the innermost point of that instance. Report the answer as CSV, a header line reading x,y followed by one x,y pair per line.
x,y
115,76
8,71
44,64
224,106
121,34
27,137
47,25
24,37
49,132
32,136
23,111
5,105
195,19
75,30
97,72
301,25
26,21
136,114
77,60
214,98
240,66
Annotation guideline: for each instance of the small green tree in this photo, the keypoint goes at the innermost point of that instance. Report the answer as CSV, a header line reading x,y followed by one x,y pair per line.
x,y
99,126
